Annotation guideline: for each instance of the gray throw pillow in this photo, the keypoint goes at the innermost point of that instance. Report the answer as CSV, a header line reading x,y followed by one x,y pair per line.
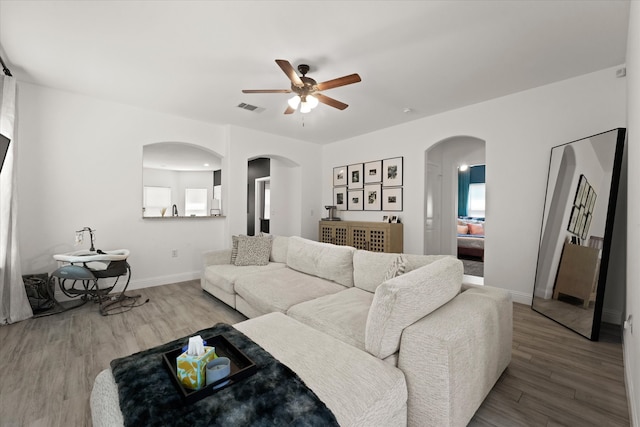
x,y
234,249
253,250
397,267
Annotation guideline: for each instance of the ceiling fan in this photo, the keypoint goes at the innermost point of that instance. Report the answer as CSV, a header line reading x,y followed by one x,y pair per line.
x,y
307,90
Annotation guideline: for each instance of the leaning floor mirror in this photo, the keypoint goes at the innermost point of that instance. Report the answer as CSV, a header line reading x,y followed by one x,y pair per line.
x,y
577,227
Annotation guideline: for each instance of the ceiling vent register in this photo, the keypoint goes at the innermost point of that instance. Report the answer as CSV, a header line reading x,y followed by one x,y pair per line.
x,y
250,107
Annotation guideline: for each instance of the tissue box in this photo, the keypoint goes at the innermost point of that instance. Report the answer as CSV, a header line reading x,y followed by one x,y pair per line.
x,y
191,370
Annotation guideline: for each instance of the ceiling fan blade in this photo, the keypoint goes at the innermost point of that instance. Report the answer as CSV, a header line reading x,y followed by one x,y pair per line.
x,y
340,81
290,72
330,101
289,110
266,90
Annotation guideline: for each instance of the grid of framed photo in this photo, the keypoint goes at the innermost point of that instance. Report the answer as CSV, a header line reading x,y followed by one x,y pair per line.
x,y
370,186
582,211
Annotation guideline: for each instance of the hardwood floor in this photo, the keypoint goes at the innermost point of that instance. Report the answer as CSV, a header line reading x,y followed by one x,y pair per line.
x,y
48,364
556,378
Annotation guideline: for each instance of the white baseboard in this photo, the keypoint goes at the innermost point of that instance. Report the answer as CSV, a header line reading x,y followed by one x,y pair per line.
x,y
521,297
631,397
164,280
143,283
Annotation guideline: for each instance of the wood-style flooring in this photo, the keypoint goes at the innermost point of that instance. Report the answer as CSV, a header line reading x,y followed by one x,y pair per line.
x,y
48,364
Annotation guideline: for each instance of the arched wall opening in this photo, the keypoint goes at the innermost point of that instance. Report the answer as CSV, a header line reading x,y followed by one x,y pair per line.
x,y
284,181
442,161
552,235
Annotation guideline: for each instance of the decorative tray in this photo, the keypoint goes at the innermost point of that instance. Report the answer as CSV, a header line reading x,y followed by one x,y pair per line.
x,y
241,368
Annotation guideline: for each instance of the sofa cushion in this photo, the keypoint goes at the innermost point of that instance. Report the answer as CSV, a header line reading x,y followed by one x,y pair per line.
x,y
359,389
280,289
253,250
323,260
342,315
224,275
279,248
416,261
403,300
369,268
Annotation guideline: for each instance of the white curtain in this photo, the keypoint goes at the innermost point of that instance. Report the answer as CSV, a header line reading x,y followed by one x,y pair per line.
x,y
14,304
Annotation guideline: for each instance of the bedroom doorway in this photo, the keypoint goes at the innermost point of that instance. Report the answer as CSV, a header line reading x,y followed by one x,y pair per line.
x,y
442,163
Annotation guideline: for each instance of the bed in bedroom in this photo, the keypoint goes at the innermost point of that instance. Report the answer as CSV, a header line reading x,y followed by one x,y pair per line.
x,y
471,239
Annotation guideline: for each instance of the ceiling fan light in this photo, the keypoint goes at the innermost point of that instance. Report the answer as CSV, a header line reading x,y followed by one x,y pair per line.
x,y
312,101
305,107
294,102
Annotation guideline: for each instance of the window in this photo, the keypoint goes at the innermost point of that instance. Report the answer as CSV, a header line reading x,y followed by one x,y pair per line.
x,y
195,202
476,200
155,200
266,208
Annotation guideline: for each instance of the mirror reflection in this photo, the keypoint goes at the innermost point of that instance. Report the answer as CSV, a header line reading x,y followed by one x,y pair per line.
x,y
576,231
180,180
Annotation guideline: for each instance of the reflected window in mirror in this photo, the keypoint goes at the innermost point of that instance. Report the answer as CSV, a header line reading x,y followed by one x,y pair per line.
x,y
190,176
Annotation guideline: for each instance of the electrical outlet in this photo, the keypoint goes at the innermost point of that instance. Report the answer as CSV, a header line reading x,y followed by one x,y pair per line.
x,y
628,324
174,253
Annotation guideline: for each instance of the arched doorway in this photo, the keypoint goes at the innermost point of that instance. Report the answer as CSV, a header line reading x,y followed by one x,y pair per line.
x,y
283,209
442,163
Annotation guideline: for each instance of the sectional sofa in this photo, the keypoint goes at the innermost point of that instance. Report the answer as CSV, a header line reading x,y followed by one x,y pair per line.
x,y
450,342
382,339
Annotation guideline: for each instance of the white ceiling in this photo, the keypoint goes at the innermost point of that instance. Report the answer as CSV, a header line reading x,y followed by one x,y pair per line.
x,y
193,58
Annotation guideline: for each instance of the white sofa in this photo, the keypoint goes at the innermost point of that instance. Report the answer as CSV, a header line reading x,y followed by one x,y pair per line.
x,y
417,349
450,342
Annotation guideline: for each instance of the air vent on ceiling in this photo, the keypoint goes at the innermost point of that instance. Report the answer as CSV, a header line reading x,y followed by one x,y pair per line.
x,y
250,107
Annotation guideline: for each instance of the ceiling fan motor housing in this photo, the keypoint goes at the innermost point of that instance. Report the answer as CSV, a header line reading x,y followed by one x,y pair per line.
x,y
310,87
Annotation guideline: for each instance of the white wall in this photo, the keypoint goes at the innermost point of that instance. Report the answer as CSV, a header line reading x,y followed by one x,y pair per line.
x,y
286,178
631,338
519,131
80,164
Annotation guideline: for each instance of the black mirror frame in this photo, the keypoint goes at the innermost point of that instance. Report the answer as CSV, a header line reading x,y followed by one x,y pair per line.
x,y
608,233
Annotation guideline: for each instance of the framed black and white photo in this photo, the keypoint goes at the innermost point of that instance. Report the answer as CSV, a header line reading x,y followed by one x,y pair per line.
x,y
592,202
392,199
373,172
589,197
340,198
339,176
587,224
372,197
385,218
573,219
354,202
582,186
585,195
582,216
392,172
354,176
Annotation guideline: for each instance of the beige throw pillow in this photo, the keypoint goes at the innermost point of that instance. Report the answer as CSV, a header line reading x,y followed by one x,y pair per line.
x,y
403,300
253,250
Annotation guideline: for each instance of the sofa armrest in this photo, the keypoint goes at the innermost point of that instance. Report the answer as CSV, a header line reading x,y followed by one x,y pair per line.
x,y
453,357
222,256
